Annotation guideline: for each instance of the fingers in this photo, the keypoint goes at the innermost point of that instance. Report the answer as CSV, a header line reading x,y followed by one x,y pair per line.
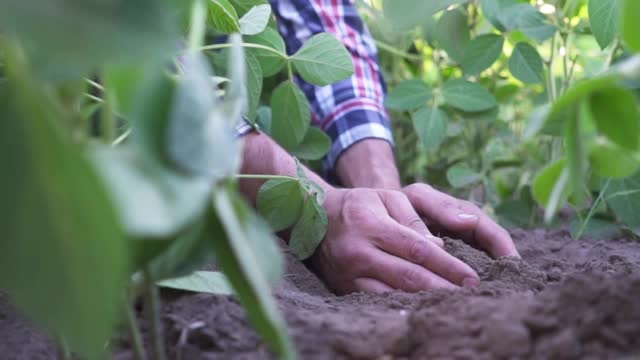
x,y
404,243
404,275
372,286
401,210
461,218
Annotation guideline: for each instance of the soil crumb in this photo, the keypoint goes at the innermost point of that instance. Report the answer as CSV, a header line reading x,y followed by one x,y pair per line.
x,y
563,300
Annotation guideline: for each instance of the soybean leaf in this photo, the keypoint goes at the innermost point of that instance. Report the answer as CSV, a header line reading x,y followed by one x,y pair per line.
x,y
291,115
623,197
239,261
95,32
63,255
604,16
615,113
431,126
270,61
314,145
280,202
526,64
323,60
576,154
535,25
254,84
223,16
481,52
243,6
309,231
263,119
408,95
461,175
610,160
153,201
631,26
452,33
491,9
467,96
595,228
186,253
200,137
255,20
405,14
210,282
311,187
546,184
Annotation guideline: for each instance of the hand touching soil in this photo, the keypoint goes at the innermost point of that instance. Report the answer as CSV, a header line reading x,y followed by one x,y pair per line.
x,y
459,219
376,242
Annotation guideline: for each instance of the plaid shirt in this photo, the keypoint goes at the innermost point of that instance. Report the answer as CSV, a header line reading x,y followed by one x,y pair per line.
x,y
351,110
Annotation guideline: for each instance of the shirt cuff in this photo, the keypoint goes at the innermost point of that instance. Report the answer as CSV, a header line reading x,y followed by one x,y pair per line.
x,y
351,128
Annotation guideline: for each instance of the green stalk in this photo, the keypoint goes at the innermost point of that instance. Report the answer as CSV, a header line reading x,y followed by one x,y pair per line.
x,y
198,25
152,310
592,211
136,337
246,45
265,177
551,84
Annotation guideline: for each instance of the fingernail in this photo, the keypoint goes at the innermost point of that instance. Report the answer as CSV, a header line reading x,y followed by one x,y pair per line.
x,y
470,282
467,217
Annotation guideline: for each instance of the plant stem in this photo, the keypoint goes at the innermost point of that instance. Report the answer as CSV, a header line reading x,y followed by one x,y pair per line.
x,y
63,350
198,25
246,45
136,337
395,51
614,50
592,211
152,309
551,86
265,177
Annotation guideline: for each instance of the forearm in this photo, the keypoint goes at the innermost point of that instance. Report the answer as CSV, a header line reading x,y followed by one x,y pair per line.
x,y
369,163
262,156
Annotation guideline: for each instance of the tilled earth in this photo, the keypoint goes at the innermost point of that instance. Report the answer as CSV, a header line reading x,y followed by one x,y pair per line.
x,y
565,300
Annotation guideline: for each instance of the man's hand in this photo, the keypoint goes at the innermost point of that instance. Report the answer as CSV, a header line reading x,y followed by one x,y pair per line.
x,y
376,242
444,214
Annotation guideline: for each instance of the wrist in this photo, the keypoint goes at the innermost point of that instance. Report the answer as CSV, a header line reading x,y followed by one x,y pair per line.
x,y
369,163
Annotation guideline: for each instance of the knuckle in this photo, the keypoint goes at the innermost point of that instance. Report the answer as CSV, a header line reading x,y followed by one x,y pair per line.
x,y
418,251
411,279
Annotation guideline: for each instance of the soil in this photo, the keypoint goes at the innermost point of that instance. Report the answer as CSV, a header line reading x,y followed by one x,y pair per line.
x,y
565,300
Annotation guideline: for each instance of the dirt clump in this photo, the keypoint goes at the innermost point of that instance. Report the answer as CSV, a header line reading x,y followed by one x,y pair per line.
x,y
563,300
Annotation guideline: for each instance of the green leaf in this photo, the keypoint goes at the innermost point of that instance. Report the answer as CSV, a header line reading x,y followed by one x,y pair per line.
x,y
405,14
264,119
254,84
63,254
210,282
596,229
323,60
200,138
431,126
314,146
239,260
452,33
94,33
291,115
623,197
526,64
492,9
611,160
604,16
461,175
270,61
309,231
223,16
576,153
546,184
467,96
310,187
153,201
528,20
630,24
255,20
616,115
481,53
280,202
408,95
